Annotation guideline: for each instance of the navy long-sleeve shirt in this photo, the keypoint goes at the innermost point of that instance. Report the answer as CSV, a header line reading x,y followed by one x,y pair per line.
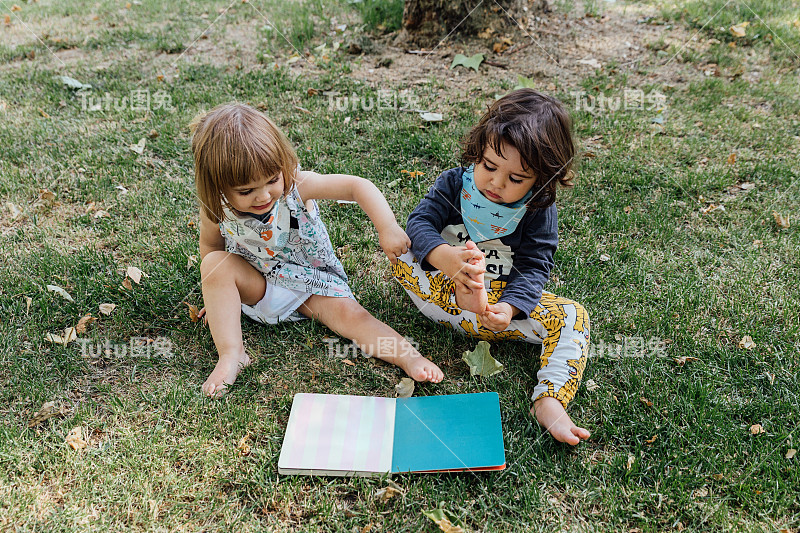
x,y
523,258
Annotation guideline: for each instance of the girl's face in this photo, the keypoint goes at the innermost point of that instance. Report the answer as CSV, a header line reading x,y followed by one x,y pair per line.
x,y
502,178
256,197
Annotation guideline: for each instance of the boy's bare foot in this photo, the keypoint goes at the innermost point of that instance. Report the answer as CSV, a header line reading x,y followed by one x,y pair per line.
x,y
419,369
224,374
475,300
552,416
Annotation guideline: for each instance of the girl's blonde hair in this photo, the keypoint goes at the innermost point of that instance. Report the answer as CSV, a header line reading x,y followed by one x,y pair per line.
x,y
233,145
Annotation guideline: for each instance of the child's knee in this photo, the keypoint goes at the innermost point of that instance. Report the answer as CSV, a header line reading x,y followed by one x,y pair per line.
x,y
211,265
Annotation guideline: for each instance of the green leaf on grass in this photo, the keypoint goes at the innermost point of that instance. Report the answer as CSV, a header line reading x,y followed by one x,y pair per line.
x,y
524,83
467,62
72,83
480,362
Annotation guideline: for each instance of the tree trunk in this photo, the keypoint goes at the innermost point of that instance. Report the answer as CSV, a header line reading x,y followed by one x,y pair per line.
x,y
426,22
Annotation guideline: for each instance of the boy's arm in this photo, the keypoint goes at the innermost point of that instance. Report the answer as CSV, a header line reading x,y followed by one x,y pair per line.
x,y
210,237
314,186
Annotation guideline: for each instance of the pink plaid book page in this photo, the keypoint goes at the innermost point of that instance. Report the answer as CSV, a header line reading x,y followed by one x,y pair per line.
x,y
340,435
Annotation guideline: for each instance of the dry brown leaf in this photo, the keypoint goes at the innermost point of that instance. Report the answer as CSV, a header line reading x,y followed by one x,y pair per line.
x,y
106,309
770,377
738,30
135,274
387,493
192,259
348,362
126,283
75,438
48,410
683,360
244,445
15,7
631,460
790,453
28,302
645,401
7,19
756,429
193,312
781,220
747,343
83,322
67,337
732,158
652,439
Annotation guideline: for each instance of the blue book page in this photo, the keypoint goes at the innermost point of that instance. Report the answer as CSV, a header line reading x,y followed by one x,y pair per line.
x,y
457,431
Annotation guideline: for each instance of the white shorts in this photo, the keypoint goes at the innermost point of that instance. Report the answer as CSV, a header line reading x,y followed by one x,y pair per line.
x,y
278,305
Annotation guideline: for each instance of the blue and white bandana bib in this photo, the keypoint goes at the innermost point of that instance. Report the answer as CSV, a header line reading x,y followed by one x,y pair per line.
x,y
484,219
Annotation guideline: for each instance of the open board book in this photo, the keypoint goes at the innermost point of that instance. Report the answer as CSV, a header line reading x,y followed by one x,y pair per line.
x,y
340,435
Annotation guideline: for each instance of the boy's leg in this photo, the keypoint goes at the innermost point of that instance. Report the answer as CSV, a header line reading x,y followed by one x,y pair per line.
x,y
228,281
564,326
349,319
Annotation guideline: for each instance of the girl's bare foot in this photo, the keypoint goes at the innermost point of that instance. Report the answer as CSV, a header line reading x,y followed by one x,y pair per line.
x,y
552,416
475,300
419,368
224,374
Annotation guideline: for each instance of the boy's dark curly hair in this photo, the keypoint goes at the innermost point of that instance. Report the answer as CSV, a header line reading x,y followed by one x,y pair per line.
x,y
540,128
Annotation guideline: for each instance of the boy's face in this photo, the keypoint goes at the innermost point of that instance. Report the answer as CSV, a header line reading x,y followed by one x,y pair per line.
x,y
502,178
256,197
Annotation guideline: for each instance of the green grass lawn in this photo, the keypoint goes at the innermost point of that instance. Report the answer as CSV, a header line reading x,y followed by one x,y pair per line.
x,y
667,239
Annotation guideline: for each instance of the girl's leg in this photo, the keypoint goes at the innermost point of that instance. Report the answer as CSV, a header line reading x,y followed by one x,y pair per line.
x,y
228,281
346,317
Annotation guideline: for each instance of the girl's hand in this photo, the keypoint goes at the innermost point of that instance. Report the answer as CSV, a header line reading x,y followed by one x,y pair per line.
x,y
498,316
394,241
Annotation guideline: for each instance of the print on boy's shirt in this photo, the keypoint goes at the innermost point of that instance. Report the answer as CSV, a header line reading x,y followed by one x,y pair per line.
x,y
499,257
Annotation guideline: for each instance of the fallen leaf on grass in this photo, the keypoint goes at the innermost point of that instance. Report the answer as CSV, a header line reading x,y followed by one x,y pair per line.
x,y
405,388
590,61
631,460
106,309
75,438
480,362
412,173
348,362
14,210
192,259
591,385
446,520
139,146
244,445
48,410
732,158
781,220
193,312
468,62
28,302
791,453
135,274
747,343
652,439
605,257
385,494
126,284
645,401
67,337
524,83
83,322
72,83
683,360
58,290
756,429
738,30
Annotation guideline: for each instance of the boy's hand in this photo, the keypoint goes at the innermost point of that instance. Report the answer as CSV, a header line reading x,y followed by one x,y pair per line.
x,y
497,317
552,416
394,241
456,263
